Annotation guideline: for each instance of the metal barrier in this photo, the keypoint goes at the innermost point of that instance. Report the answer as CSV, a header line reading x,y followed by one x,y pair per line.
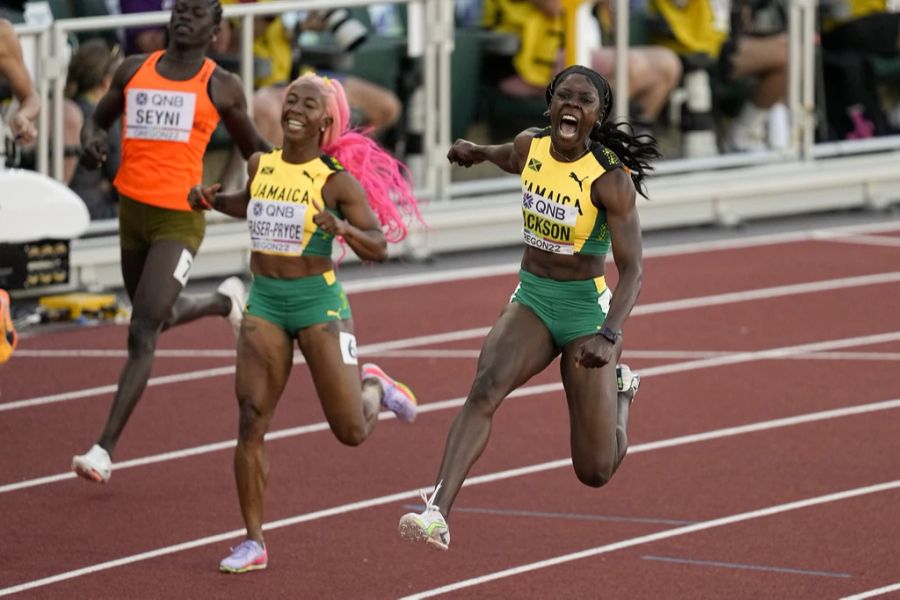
x,y
723,189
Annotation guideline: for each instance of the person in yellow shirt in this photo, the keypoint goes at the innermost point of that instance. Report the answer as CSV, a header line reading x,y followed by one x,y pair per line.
x,y
869,26
723,31
653,71
378,107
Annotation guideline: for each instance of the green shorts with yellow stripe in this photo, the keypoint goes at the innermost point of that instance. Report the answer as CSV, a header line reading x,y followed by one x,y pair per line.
x,y
295,304
569,309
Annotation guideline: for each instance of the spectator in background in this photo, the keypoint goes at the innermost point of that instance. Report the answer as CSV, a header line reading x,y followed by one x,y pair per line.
x,y
143,40
653,72
854,31
377,107
12,69
740,51
89,78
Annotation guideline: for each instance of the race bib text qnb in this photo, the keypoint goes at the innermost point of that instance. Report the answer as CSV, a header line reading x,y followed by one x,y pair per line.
x,y
159,115
548,225
276,227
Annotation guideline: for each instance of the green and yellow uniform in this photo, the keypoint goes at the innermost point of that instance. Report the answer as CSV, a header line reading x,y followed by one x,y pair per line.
x,y
559,217
280,217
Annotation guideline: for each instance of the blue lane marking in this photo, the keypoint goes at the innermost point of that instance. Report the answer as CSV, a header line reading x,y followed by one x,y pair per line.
x,y
554,515
714,563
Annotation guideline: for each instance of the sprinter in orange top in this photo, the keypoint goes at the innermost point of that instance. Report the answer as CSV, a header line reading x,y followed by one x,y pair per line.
x,y
170,103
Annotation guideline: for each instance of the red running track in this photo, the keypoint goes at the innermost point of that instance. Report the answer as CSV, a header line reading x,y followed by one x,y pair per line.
x,y
763,462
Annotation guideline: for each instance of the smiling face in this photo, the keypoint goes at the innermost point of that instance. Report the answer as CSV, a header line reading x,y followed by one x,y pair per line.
x,y
303,114
574,110
193,23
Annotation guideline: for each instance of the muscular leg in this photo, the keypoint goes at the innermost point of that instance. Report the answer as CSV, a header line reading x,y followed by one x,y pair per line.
x,y
264,363
518,347
598,417
351,414
153,290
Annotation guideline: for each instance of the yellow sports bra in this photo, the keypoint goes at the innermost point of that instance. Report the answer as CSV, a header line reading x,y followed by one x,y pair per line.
x,y
281,209
557,212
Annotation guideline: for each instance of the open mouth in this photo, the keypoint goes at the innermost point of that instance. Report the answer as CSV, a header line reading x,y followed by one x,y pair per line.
x,y
568,126
294,125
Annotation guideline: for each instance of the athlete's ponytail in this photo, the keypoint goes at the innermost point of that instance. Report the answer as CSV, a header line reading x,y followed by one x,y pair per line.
x,y
635,151
386,181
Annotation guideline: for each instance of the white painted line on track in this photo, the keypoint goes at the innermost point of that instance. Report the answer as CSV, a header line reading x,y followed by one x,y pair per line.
x,y
770,239
865,240
662,535
480,332
481,479
872,593
691,365
450,336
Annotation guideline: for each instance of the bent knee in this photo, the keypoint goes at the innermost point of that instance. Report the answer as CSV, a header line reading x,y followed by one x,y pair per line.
x,y
350,435
595,475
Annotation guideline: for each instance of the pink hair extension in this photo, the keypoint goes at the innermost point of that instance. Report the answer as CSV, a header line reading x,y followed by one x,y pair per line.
x,y
386,181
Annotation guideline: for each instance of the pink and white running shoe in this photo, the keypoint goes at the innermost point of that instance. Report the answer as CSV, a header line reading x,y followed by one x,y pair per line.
x,y
249,555
397,397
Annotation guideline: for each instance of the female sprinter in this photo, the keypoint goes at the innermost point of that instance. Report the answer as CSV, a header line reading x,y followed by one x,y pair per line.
x,y
298,199
577,202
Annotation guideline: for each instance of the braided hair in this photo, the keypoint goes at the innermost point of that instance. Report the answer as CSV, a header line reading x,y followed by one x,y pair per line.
x,y
635,151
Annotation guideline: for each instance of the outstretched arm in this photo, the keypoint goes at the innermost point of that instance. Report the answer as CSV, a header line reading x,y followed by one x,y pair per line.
x,y
361,229
615,191
233,204
228,97
12,66
509,157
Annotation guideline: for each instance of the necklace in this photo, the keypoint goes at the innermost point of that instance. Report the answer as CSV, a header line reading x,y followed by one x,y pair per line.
x,y
558,156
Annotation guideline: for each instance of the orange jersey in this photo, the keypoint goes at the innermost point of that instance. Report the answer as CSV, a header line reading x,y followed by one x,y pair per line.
x,y
166,127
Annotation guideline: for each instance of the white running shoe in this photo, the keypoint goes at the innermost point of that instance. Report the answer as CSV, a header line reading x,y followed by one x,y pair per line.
x,y
626,380
428,526
233,288
249,555
95,465
397,397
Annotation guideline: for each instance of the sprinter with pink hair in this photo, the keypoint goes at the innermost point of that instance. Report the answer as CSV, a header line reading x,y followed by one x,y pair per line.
x,y
325,182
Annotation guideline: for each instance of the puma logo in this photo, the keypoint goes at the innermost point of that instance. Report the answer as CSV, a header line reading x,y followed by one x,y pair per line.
x,y
333,313
580,181
308,176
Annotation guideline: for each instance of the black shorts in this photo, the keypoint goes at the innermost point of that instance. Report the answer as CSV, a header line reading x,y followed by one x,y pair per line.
x,y
873,34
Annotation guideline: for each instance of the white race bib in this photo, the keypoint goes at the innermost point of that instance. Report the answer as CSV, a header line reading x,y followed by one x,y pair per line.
x,y
548,225
276,227
159,115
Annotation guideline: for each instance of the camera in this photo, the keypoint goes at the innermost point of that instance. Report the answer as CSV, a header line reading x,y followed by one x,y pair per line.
x,y
347,31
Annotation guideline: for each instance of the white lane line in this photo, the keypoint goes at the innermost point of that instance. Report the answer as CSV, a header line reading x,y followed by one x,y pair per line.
x,y
691,365
864,240
451,275
479,332
872,593
122,353
766,293
425,340
662,535
481,479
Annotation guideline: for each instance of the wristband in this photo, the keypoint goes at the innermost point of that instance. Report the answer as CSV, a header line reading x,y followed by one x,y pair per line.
x,y
609,334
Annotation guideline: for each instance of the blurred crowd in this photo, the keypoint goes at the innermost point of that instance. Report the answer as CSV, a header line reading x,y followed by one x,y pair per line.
x,y
711,67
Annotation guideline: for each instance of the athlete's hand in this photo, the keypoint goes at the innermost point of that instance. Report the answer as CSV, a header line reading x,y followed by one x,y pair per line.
x,y
94,150
462,152
327,222
597,351
23,129
201,197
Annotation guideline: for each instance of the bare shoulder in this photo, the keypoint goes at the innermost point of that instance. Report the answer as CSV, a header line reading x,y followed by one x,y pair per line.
x,y
129,66
615,190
